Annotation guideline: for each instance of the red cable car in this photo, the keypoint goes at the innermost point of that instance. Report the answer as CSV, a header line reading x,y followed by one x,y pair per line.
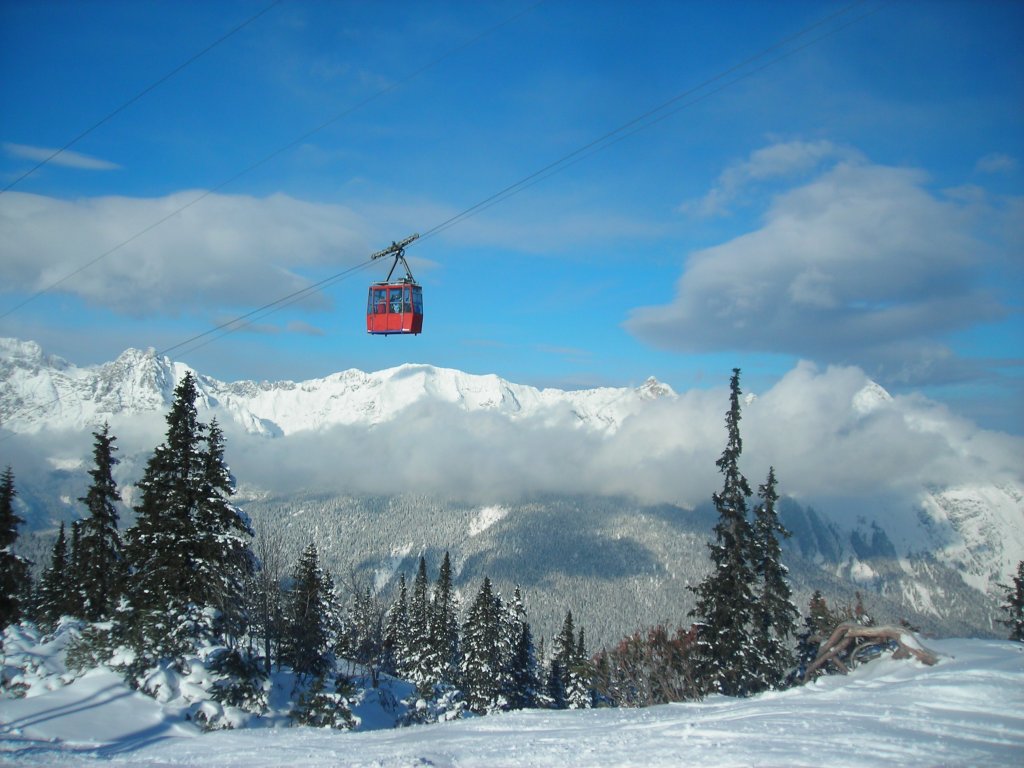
x,y
395,306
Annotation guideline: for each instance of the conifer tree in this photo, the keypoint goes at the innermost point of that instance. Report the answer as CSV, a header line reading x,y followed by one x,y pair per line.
x,y
524,685
570,656
161,547
484,676
54,597
15,583
725,654
97,560
223,541
443,646
417,662
554,688
76,572
775,615
364,633
312,616
1014,605
189,550
396,631
818,625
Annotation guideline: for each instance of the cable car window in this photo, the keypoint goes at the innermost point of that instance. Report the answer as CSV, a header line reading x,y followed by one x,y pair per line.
x,y
395,296
417,300
380,300
406,299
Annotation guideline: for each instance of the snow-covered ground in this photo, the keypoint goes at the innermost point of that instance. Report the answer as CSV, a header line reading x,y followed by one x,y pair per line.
x,y
966,711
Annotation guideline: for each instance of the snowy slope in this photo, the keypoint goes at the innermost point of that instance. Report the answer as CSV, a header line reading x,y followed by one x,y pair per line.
x,y
967,710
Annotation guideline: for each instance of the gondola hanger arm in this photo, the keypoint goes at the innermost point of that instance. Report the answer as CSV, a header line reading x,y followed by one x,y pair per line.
x,y
398,247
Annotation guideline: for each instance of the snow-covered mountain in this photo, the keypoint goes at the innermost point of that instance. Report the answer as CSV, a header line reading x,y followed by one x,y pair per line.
x,y
888,495
40,391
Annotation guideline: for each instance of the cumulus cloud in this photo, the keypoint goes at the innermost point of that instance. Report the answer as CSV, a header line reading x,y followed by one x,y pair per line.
x,y
778,161
54,156
232,250
837,441
830,433
862,264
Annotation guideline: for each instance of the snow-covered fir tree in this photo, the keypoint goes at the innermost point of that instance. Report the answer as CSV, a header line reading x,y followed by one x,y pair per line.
x,y
189,550
364,633
726,654
98,554
443,644
775,615
312,616
224,535
818,625
396,630
1013,606
15,583
570,657
484,649
524,685
416,664
55,596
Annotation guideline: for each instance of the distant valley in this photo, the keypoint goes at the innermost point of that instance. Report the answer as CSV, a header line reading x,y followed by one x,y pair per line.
x,y
595,500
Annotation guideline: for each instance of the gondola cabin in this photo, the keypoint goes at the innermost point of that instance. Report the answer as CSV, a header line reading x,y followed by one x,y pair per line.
x,y
395,307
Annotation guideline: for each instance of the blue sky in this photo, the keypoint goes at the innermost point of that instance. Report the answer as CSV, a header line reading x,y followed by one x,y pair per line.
x,y
854,198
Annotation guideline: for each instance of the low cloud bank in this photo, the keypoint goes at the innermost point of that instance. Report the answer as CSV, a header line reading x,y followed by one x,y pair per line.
x,y
831,434
837,441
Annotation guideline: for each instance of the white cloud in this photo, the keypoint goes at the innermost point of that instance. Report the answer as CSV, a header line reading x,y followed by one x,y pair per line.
x,y
229,251
777,161
827,444
997,162
862,265
53,156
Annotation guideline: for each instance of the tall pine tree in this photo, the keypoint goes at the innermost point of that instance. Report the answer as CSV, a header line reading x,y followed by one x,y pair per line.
x,y
15,583
223,541
189,549
571,662
396,631
417,661
56,594
312,616
443,645
99,564
484,651
524,692
775,614
725,653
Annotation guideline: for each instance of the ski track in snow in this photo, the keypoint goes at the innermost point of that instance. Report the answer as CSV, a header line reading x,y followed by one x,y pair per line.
x,y
966,711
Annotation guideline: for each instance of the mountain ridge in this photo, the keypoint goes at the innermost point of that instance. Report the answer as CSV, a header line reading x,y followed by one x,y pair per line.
x,y
928,552
141,380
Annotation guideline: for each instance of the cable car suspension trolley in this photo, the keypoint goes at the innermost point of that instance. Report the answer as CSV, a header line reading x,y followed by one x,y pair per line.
x,y
395,306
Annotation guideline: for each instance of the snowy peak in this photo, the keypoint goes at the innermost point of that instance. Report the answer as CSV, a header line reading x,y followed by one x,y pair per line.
x,y
42,392
652,389
870,399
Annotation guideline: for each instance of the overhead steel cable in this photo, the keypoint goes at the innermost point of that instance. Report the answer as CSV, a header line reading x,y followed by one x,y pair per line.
x,y
741,70
148,89
651,116
237,323
267,158
641,122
